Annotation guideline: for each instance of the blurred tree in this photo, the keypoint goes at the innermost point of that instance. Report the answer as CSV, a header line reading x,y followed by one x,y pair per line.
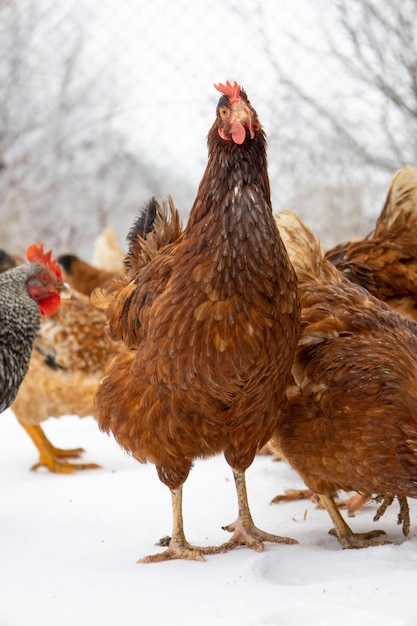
x,y
84,132
375,43
64,167
344,105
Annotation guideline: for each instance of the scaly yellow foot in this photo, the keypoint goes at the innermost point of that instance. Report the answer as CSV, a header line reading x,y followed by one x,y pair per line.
x,y
179,549
247,534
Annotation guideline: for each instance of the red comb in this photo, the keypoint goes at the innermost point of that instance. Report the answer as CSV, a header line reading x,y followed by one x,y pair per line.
x,y
35,254
229,90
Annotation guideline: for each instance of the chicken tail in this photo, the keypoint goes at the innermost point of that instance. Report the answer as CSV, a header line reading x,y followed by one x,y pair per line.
x,y
304,250
401,202
155,227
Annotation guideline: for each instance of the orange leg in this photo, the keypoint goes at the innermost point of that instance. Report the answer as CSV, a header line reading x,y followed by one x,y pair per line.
x,y
49,455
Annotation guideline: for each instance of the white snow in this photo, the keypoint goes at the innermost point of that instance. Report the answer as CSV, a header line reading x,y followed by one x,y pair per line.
x,y
69,546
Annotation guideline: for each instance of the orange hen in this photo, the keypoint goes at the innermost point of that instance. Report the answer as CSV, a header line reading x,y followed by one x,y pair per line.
x,y
211,323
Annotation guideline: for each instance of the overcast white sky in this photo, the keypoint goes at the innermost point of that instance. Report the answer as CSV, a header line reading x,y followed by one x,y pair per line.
x,y
162,59
146,71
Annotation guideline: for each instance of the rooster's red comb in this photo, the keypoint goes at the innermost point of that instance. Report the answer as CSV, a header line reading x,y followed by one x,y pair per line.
x,y
229,90
36,254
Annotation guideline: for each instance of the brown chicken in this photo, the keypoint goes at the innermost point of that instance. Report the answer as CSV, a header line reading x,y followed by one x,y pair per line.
x,y
351,422
385,262
27,292
211,323
82,276
66,366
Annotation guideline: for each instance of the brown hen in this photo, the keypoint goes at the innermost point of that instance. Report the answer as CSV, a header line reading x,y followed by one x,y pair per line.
x,y
82,276
351,422
385,262
211,323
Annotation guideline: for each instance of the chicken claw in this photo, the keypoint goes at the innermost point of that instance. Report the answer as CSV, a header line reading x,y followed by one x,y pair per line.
x,y
291,495
247,534
62,467
360,540
403,516
252,537
352,504
244,530
178,546
176,550
346,537
49,456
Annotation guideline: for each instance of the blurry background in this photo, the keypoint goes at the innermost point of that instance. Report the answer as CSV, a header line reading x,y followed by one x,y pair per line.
x,y
104,103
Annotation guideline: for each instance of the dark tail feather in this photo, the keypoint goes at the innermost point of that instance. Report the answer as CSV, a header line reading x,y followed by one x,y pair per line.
x,y
144,222
155,227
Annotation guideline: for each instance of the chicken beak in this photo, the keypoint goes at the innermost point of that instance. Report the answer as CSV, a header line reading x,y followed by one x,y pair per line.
x,y
243,115
65,291
241,112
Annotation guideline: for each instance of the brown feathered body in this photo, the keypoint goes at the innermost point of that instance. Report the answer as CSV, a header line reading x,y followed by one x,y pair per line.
x,y
211,323
352,417
385,262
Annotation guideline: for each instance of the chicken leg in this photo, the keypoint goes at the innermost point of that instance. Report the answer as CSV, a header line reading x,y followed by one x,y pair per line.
x,y
49,455
178,547
346,537
244,531
403,515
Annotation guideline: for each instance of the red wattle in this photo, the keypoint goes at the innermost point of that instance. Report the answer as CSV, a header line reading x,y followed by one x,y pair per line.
x,y
223,134
49,305
238,133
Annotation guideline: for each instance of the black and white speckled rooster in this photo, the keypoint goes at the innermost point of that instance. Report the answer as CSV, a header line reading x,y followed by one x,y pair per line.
x,y
27,291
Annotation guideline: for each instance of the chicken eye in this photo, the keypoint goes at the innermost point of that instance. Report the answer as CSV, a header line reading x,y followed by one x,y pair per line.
x,y
224,112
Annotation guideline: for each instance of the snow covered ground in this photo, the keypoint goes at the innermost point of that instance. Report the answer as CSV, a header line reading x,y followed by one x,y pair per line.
x,y
69,544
